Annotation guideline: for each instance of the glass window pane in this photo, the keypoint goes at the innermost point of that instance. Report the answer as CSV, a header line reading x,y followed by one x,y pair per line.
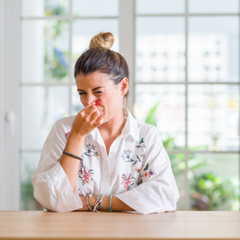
x,y
95,8
213,117
160,6
160,49
178,168
214,182
77,106
40,109
213,49
29,162
45,51
163,106
39,8
84,30
213,6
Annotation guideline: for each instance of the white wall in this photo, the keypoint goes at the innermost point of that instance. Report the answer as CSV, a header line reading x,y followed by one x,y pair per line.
x,y
2,103
9,103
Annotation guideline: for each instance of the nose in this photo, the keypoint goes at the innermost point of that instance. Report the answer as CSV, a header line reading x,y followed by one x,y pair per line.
x,y
90,99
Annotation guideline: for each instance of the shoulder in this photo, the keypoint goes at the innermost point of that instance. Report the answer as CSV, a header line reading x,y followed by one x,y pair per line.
x,y
57,137
64,124
66,121
150,132
142,126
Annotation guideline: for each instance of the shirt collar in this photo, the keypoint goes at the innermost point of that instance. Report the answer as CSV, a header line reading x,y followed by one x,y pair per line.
x,y
130,127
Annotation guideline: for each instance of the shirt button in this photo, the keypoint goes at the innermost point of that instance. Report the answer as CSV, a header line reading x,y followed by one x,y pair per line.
x,y
106,175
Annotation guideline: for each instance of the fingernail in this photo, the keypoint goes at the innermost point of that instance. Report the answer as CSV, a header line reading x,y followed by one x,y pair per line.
x,y
101,116
96,102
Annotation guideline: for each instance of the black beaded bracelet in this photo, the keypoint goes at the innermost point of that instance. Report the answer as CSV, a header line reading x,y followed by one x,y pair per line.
x,y
72,155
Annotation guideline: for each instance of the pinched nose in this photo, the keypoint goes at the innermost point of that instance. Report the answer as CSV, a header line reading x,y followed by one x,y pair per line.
x,y
89,100
96,102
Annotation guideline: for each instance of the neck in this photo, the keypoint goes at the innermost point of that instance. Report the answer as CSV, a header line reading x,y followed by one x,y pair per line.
x,y
113,127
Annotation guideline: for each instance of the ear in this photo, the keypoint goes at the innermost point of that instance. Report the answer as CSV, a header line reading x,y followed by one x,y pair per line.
x,y
124,86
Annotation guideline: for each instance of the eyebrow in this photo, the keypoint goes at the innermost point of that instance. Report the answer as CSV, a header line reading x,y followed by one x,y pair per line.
x,y
93,89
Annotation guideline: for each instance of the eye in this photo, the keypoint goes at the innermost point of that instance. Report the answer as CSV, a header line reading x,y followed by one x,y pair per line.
x,y
81,93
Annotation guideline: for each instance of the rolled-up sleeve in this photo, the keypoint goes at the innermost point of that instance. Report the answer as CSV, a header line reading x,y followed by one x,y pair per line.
x,y
157,191
51,186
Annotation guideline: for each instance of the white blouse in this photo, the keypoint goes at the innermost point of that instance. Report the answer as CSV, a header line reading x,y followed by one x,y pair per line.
x,y
137,170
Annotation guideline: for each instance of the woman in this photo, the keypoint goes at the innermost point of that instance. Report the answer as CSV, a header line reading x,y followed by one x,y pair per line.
x,y
102,158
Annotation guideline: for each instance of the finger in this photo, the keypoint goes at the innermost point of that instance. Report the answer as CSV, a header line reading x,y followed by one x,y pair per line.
x,y
84,111
88,109
99,121
94,117
94,102
91,105
90,113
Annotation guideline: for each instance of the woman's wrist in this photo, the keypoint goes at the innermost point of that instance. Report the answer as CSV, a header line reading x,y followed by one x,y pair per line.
x,y
75,138
93,200
74,145
84,203
106,203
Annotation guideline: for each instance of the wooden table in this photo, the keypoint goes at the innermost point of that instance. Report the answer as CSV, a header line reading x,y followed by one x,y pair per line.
x,y
105,225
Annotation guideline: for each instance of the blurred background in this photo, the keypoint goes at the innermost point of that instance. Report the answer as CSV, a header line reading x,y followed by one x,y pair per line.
x,y
184,64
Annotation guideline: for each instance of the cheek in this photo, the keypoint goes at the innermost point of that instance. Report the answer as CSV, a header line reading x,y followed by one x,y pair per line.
x,y
109,100
83,101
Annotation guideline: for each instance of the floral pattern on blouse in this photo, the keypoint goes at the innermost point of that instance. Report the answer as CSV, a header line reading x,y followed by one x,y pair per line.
x,y
142,145
91,152
151,172
137,162
126,156
138,169
146,172
67,134
128,181
87,175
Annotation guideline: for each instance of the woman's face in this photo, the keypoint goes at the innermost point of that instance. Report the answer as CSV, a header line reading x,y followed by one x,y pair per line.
x,y
97,85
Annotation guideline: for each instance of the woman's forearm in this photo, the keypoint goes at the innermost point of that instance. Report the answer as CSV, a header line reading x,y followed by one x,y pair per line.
x,y
117,204
70,164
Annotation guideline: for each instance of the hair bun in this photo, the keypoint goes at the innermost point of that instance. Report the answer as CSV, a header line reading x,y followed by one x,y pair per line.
x,y
102,40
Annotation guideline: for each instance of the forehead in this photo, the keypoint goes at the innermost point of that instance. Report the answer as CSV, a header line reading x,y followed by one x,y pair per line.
x,y
93,80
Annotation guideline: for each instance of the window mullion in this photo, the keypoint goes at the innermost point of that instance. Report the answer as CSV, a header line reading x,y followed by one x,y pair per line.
x,y
70,73
126,42
186,110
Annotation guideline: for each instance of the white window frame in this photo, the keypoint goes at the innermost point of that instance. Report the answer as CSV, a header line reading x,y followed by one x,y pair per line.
x,y
10,65
186,83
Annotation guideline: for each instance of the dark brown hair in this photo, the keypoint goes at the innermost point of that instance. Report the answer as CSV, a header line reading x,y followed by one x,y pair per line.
x,y
100,58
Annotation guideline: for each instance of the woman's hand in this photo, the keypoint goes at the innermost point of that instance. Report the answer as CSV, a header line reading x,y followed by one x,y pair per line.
x,y
86,120
84,202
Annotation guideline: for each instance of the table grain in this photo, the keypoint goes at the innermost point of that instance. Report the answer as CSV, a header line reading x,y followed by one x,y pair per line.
x,y
108,225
